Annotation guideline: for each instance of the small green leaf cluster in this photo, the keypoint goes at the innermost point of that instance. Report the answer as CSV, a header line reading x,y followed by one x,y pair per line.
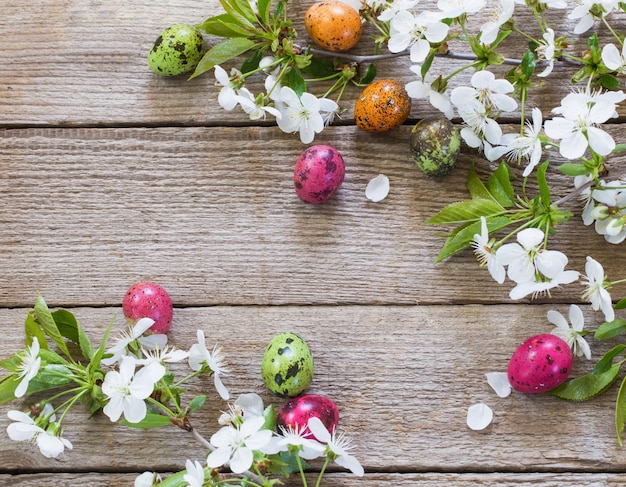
x,y
496,201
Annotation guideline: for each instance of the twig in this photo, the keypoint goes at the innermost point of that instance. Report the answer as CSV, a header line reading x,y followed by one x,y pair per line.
x,y
357,58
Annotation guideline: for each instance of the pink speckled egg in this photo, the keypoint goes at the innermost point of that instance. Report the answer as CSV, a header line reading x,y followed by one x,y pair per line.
x,y
540,364
296,412
149,300
318,173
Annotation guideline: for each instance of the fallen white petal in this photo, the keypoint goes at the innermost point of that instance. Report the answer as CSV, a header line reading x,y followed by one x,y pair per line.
x,y
499,382
378,188
479,416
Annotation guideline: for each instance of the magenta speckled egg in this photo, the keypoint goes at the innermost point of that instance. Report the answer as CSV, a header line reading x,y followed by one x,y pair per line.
x,y
149,300
318,173
296,412
540,364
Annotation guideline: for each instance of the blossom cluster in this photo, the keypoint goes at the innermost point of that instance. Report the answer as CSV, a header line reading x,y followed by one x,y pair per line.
x,y
128,380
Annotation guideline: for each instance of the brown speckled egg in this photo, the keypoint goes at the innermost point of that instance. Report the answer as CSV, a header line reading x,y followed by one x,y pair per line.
x,y
381,106
335,26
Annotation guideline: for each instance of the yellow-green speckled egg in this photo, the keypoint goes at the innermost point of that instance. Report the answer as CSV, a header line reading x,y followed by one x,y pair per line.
x,y
287,366
177,50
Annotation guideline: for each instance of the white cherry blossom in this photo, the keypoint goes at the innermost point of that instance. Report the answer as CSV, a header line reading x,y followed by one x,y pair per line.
x,y
500,14
571,335
614,59
308,448
303,114
596,292
527,147
578,128
199,356
127,390
416,31
423,89
235,446
395,7
135,333
542,287
337,444
545,51
195,474
227,97
251,105
454,8
147,479
48,439
527,257
30,362
483,249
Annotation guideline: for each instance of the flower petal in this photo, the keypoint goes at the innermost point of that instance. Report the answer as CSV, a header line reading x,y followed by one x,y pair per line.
x,y
377,189
479,416
499,382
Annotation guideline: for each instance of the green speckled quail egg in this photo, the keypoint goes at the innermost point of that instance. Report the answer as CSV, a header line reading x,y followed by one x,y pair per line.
x,y
177,50
287,367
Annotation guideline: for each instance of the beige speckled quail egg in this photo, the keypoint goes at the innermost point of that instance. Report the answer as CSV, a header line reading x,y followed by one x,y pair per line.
x,y
177,50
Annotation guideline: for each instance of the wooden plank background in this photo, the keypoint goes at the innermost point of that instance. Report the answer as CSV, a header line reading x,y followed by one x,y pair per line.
x,y
109,175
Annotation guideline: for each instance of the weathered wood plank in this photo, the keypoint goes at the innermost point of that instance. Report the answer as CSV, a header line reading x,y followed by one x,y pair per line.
x,y
84,62
211,214
402,377
342,480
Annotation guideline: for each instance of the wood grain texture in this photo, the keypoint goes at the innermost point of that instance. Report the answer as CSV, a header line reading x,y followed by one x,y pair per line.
x,y
110,175
402,377
211,214
83,62
342,480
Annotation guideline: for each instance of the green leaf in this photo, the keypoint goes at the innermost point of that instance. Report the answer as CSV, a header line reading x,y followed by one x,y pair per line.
x,y
284,464
544,189
150,421
252,63
587,386
465,211
621,304
47,323
263,6
610,329
8,384
97,357
33,331
571,169
476,187
269,413
500,187
241,10
427,63
606,362
461,238
369,75
67,324
296,81
225,25
619,148
620,411
196,403
44,381
528,64
222,52
609,81
319,68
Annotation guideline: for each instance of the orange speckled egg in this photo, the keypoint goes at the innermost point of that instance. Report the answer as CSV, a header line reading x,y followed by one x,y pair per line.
x,y
335,26
382,105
